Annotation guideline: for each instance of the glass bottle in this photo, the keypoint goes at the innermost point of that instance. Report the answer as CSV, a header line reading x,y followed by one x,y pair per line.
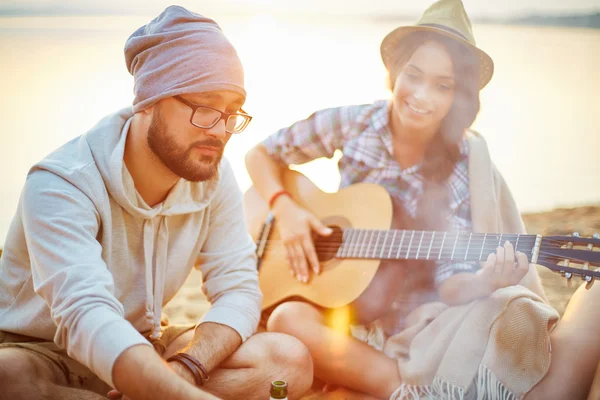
x,y
279,390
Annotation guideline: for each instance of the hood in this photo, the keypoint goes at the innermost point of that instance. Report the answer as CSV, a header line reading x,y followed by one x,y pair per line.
x,y
107,144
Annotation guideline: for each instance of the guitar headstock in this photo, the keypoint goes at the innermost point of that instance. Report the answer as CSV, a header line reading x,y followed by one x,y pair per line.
x,y
572,256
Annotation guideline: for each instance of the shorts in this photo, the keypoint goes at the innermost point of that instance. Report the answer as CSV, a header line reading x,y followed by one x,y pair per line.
x,y
76,374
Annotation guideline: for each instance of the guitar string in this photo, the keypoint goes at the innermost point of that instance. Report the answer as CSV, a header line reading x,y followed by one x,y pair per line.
x,y
462,236
542,252
437,243
347,244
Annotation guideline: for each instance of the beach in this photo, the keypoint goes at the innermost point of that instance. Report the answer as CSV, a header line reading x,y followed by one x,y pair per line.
x,y
190,304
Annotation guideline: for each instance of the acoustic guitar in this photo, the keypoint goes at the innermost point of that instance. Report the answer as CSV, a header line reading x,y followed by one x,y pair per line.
x,y
360,216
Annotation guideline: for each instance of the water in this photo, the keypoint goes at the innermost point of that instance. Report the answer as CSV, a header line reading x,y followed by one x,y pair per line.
x,y
540,114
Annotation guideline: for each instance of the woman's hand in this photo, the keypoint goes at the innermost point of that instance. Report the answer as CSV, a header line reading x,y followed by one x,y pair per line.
x,y
503,268
295,226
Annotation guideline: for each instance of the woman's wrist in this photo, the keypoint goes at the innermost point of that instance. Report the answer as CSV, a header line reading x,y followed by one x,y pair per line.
x,y
281,204
278,195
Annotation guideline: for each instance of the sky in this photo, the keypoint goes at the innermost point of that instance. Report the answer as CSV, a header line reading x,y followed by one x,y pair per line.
x,y
476,8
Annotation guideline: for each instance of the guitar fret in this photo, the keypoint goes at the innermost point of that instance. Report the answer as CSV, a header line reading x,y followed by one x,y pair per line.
x,y
500,240
353,248
420,242
517,243
364,244
392,244
340,250
358,247
374,247
442,247
454,247
410,244
348,234
367,243
351,243
468,244
383,245
430,244
400,246
482,246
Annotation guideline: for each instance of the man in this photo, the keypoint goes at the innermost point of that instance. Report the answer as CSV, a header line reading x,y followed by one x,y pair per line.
x,y
109,226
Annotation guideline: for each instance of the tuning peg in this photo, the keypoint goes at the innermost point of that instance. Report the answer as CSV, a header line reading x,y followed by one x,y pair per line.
x,y
589,281
569,276
576,234
596,236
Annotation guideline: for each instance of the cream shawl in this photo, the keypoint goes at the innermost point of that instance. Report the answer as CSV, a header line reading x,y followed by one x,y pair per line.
x,y
493,348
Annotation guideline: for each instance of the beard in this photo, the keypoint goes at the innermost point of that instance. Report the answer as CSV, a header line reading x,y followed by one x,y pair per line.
x,y
180,160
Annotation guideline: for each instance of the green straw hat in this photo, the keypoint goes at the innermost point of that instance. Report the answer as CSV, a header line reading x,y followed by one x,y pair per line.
x,y
447,18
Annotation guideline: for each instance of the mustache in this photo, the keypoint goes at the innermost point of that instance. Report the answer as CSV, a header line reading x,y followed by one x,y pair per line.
x,y
210,142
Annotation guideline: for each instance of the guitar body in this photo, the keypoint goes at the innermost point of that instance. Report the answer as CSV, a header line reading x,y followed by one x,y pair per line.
x,y
340,282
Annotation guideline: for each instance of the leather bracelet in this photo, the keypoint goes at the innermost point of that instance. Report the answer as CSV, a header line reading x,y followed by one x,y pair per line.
x,y
276,195
196,368
198,365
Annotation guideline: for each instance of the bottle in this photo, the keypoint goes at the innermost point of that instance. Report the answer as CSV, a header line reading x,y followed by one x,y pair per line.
x,y
279,390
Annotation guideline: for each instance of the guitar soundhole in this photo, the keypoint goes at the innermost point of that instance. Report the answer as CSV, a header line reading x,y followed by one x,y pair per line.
x,y
327,246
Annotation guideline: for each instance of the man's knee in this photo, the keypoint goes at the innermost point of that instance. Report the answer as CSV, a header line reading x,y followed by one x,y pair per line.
x,y
291,357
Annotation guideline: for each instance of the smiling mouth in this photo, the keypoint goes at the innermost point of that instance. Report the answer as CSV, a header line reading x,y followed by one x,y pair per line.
x,y
417,110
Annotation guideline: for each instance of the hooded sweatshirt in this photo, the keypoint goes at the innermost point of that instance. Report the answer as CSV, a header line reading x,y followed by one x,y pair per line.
x,y
88,264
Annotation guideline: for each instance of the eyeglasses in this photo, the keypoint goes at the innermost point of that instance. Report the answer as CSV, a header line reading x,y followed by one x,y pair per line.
x,y
207,117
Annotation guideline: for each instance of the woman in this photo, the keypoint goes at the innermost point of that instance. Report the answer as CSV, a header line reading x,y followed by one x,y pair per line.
x,y
417,145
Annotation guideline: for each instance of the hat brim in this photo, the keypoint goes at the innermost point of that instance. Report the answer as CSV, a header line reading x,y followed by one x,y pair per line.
x,y
389,47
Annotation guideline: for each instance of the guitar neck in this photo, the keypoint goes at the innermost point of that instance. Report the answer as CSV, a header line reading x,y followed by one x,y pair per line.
x,y
426,245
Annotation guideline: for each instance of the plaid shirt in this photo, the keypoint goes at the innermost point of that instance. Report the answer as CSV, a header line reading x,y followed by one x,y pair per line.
x,y
362,134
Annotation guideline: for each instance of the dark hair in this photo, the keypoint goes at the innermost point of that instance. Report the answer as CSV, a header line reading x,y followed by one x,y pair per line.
x,y
443,152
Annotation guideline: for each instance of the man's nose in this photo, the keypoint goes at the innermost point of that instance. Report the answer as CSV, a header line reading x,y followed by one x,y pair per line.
x,y
218,130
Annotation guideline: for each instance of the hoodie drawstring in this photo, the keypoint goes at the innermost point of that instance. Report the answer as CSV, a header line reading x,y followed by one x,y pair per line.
x,y
155,287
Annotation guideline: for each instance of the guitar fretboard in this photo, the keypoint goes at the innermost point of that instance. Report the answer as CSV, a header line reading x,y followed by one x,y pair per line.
x,y
427,245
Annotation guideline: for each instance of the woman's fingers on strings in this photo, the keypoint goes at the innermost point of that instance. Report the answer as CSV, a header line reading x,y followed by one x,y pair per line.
x,y
489,264
300,262
499,260
509,259
293,257
309,250
522,264
290,258
491,259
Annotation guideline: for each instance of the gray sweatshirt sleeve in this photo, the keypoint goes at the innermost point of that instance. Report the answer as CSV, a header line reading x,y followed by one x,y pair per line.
x,y
228,262
60,224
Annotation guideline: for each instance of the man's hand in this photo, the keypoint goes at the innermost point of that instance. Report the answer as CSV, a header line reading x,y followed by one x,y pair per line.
x,y
178,368
141,374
